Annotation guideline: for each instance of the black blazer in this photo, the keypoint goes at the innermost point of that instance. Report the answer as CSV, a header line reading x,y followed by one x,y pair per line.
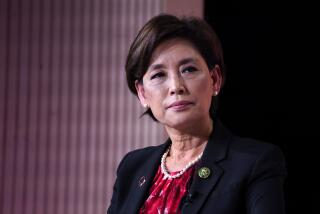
x,y
246,177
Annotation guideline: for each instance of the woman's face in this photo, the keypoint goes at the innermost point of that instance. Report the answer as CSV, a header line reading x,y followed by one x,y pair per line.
x,y
178,86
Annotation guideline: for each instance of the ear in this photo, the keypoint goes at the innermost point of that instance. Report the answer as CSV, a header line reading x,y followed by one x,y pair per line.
x,y
216,76
141,93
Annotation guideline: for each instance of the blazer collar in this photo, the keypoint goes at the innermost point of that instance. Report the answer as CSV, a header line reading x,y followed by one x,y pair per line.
x,y
215,151
143,179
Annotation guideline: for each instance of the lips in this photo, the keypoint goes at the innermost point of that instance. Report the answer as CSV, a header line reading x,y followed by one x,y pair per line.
x,y
179,105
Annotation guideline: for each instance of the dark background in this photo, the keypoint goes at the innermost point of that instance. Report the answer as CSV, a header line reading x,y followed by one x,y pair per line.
x,y
270,55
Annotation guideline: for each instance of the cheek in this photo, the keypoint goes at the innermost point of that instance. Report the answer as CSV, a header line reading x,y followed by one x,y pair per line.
x,y
203,87
154,95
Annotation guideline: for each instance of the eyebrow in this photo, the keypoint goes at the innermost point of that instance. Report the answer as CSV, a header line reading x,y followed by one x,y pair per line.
x,y
181,62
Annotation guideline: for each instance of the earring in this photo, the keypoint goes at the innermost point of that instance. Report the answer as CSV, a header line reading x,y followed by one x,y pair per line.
x,y
145,105
215,93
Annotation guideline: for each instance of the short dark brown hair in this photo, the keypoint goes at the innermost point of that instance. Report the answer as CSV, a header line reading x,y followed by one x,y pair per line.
x,y
165,27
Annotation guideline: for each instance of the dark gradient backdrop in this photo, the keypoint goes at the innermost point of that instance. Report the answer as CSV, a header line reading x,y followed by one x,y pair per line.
x,y
270,91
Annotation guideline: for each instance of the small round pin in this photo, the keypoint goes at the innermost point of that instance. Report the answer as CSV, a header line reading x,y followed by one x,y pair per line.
x,y
142,180
204,172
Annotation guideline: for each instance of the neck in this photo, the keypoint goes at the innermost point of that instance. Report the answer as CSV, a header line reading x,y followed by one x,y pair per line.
x,y
188,143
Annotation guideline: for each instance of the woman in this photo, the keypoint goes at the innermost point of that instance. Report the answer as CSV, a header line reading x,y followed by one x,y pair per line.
x,y
176,68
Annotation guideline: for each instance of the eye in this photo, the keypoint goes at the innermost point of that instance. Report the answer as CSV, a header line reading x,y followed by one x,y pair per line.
x,y
189,69
157,75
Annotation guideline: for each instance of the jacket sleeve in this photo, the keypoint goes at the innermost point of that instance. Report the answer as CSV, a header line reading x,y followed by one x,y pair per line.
x,y
113,207
113,203
265,192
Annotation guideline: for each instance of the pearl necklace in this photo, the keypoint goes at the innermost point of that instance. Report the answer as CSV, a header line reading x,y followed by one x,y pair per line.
x,y
164,169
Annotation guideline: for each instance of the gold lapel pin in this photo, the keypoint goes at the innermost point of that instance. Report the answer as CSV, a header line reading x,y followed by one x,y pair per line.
x,y
204,172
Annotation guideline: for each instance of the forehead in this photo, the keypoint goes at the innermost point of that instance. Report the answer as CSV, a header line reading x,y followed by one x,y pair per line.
x,y
174,49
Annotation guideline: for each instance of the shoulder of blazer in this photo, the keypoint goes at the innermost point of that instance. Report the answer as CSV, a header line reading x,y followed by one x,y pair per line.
x,y
134,177
139,156
252,147
228,142
233,163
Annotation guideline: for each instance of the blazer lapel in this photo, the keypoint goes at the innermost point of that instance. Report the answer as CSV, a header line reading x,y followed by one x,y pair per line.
x,y
215,151
143,180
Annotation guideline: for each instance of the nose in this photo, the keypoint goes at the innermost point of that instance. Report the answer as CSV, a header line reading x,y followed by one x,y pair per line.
x,y
177,86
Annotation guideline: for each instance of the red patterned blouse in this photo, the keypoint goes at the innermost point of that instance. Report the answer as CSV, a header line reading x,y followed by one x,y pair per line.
x,y
165,194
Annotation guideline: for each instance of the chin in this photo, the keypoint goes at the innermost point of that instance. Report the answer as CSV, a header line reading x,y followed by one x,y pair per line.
x,y
181,121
